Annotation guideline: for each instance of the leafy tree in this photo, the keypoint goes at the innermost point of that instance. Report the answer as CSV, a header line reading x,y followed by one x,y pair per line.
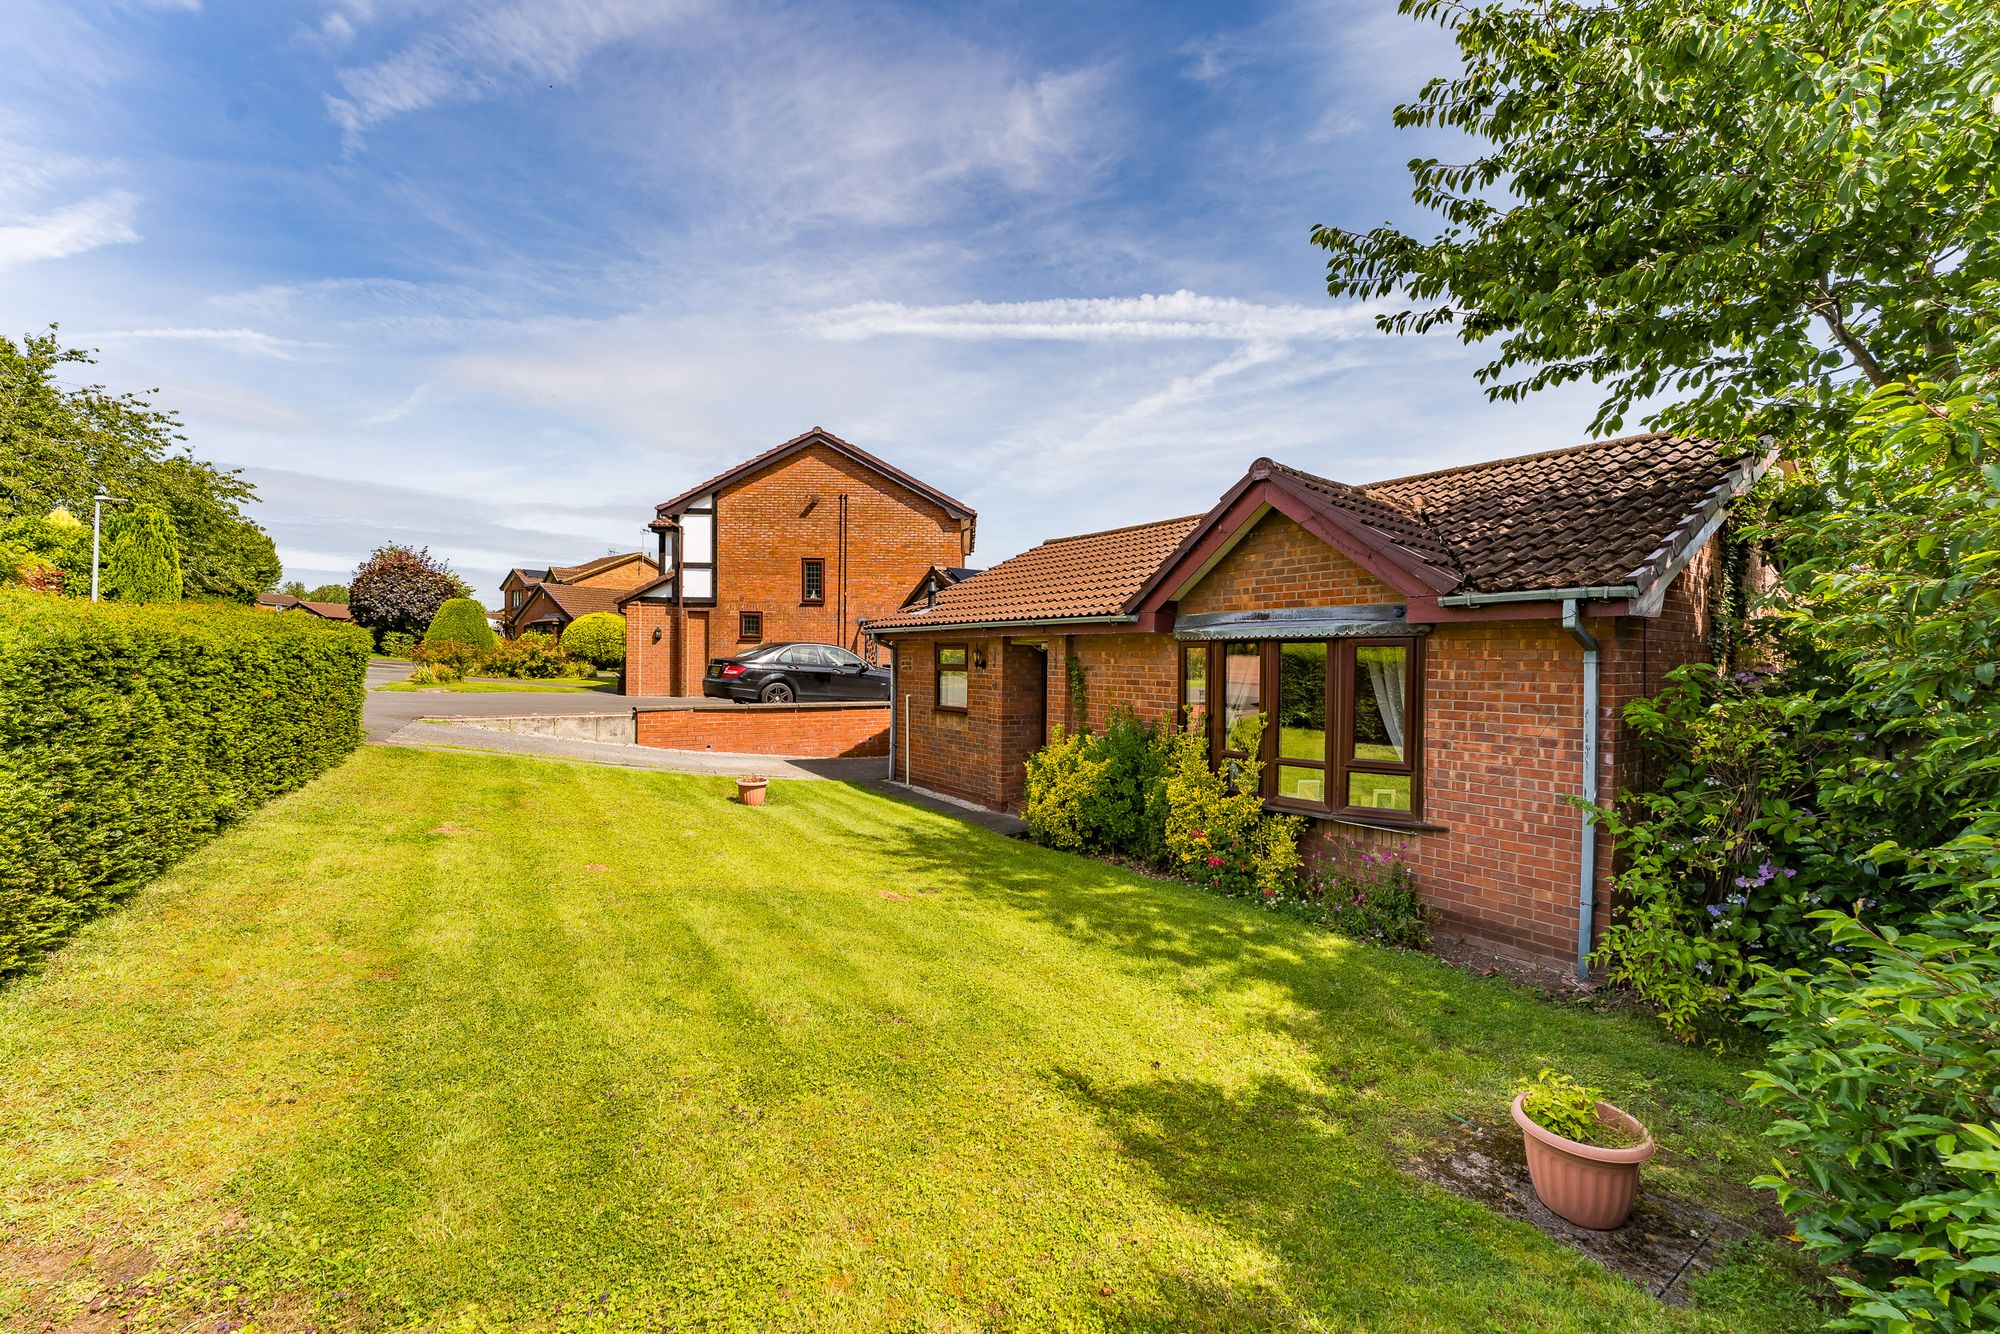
x,y
400,589
143,563
323,593
60,442
460,621
1763,208
51,553
597,637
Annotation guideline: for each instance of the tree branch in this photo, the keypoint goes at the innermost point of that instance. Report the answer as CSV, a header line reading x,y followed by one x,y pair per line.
x,y
1828,310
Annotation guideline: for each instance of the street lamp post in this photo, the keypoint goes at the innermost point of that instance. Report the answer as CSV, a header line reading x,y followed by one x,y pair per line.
x,y
97,503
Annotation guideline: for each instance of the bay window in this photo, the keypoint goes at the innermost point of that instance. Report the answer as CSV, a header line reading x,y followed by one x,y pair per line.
x,y
1343,719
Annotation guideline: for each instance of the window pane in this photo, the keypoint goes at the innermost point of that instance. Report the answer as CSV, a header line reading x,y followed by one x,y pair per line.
x,y
951,657
814,580
700,583
1379,692
1242,692
1195,692
951,690
1301,784
1302,701
1386,792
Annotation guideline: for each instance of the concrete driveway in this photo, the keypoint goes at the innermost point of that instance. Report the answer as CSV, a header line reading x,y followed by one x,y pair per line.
x,y
385,713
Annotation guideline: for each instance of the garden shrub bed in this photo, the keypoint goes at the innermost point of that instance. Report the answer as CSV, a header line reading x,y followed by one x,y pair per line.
x,y
131,734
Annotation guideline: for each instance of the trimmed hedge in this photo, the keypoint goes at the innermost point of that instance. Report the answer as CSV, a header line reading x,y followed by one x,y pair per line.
x,y
461,621
130,734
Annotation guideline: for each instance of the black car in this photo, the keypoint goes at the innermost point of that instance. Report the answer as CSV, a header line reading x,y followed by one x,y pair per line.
x,y
794,673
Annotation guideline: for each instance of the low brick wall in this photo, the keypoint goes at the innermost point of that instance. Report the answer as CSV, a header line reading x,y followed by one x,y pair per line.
x,y
797,731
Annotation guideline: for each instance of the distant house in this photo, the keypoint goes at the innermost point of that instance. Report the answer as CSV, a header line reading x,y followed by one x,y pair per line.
x,y
1443,661
803,542
549,599
326,611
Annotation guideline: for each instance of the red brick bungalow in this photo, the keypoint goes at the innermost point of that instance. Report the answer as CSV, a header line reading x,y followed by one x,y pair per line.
x,y
1444,659
804,542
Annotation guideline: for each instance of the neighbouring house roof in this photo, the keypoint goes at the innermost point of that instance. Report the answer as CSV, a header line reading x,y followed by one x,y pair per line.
x,y
574,601
522,574
1066,578
669,509
662,587
280,601
332,611
567,574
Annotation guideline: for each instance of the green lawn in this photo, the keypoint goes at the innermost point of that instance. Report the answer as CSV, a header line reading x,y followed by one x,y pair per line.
x,y
489,686
467,1042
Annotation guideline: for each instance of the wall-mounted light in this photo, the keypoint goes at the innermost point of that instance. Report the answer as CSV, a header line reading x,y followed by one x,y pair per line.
x,y
656,634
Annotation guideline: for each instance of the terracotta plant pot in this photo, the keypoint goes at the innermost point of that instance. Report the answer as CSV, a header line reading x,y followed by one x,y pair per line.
x,y
1589,1186
750,791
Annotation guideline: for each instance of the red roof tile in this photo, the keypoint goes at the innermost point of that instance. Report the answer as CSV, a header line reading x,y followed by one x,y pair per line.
x,y
1064,578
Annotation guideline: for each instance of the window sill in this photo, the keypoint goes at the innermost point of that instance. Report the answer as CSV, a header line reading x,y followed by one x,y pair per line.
x,y
1408,824
812,602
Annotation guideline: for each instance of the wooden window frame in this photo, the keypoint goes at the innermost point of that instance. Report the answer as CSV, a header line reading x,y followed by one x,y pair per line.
x,y
1337,763
937,677
744,631
807,598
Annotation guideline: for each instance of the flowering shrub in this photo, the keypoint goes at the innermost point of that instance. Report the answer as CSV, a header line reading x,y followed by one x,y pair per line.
x,y
450,654
1370,895
532,656
1223,839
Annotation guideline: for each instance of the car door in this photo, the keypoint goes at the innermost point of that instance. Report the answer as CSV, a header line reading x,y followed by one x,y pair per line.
x,y
807,668
851,677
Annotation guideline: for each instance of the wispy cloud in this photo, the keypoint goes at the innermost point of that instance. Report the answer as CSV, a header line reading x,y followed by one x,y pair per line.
x,y
243,340
1175,315
487,48
108,218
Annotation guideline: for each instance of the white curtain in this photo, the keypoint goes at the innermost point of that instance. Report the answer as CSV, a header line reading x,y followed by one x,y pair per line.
x,y
1387,670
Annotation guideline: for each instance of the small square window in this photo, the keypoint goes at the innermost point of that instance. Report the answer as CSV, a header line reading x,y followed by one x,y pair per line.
x,y
812,580
750,625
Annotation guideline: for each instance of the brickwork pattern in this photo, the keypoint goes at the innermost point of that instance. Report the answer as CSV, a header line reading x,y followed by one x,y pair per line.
x,y
795,731
1280,564
766,526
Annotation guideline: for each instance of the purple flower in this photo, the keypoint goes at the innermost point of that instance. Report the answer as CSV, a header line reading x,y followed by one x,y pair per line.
x,y
1715,910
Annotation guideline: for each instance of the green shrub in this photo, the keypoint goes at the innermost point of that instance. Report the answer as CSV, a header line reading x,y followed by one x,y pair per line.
x,y
435,674
130,733
1885,1077
457,657
1062,784
143,562
1223,839
461,621
396,644
598,638
533,656
1370,895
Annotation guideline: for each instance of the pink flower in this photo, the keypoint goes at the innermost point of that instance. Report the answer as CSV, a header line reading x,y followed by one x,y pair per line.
x,y
1199,834
1215,861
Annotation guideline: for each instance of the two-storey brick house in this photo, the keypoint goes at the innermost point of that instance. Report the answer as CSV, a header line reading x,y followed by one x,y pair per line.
x,y
549,599
803,542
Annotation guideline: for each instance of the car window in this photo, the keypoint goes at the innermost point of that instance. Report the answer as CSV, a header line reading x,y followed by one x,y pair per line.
x,y
803,655
842,658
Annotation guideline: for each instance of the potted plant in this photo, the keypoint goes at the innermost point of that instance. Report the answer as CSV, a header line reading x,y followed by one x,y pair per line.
x,y
1583,1153
750,789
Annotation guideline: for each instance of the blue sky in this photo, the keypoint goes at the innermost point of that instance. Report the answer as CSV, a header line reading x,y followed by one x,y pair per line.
x,y
495,275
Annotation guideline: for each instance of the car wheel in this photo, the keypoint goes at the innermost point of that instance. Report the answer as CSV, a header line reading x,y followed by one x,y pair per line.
x,y
777,692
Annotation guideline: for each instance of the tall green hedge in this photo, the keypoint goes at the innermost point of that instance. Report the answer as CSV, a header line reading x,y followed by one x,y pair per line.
x,y
129,734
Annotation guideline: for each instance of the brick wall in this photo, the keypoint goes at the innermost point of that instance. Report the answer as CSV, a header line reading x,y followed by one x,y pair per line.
x,y
766,526
1280,564
799,731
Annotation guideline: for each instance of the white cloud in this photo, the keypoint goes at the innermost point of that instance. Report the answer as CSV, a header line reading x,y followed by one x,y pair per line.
x,y
486,50
100,220
242,340
1175,315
